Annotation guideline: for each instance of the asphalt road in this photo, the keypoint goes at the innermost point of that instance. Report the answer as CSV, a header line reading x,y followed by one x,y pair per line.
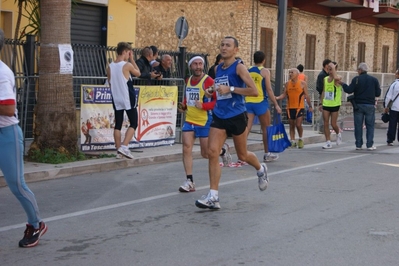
x,y
322,207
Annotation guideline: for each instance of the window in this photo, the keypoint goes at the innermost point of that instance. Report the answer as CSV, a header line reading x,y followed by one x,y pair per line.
x,y
361,52
384,63
310,51
266,45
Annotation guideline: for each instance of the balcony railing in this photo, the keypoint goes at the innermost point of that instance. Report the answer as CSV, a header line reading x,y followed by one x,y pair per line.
x,y
390,3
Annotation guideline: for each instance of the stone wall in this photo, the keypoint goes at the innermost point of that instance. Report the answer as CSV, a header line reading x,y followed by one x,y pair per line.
x,y
210,20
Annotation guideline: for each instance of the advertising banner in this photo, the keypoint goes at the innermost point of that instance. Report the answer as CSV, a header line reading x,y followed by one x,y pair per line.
x,y
157,109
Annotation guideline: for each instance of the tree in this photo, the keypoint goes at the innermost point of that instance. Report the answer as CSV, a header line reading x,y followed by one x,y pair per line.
x,y
55,124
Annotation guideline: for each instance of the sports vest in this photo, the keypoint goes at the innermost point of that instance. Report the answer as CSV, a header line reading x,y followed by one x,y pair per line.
x,y
332,94
295,95
259,80
230,104
196,93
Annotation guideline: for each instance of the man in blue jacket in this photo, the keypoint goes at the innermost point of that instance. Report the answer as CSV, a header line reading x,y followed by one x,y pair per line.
x,y
365,89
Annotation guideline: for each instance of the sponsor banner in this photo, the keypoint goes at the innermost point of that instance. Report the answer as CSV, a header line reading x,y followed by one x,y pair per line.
x,y
157,109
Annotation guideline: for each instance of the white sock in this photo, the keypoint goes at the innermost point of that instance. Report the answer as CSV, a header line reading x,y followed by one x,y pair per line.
x,y
214,193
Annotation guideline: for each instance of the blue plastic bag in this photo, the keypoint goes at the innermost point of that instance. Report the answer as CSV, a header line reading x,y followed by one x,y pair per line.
x,y
277,138
309,116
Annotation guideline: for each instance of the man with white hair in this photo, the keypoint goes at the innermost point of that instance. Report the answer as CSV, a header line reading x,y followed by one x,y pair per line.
x,y
296,91
11,155
365,89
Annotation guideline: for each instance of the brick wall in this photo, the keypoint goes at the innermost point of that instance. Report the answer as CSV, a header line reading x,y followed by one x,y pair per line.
x,y
210,20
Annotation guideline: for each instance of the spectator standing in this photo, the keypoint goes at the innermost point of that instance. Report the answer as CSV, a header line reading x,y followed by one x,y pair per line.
x,y
232,83
164,67
11,156
123,96
259,105
218,60
143,63
365,89
154,62
392,107
302,75
296,91
319,87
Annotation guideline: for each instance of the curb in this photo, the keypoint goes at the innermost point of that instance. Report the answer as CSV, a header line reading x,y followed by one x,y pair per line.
x,y
110,164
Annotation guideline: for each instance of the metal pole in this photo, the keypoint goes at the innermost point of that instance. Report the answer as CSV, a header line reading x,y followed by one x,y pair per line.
x,y
282,18
397,48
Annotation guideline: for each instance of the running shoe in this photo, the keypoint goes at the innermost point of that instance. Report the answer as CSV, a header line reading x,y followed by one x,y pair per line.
x,y
293,144
269,157
390,144
124,150
263,179
359,148
327,146
188,186
339,139
32,235
226,157
208,202
119,156
372,148
300,144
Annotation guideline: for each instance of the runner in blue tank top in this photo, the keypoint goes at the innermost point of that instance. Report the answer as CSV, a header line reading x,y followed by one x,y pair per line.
x,y
232,83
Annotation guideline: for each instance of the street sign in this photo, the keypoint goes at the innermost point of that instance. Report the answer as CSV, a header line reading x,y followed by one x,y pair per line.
x,y
181,29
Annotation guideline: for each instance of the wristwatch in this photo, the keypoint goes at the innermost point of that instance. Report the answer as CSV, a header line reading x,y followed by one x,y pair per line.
x,y
232,89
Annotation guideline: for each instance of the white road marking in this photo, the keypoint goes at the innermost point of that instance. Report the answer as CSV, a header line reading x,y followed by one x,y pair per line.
x,y
162,196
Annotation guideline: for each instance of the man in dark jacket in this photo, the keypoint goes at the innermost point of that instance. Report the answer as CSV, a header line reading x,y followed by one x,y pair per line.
x,y
145,67
164,69
365,89
319,87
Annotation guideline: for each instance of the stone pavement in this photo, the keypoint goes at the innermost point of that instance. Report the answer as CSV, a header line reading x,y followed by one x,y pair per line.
x,y
146,156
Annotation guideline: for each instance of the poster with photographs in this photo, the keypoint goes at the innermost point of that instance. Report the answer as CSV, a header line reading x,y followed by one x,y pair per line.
x,y
157,110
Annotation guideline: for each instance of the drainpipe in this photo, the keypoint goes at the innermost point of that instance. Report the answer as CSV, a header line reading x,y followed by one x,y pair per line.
x,y
282,19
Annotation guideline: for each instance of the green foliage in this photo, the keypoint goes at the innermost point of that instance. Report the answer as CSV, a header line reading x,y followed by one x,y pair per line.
x,y
32,13
55,157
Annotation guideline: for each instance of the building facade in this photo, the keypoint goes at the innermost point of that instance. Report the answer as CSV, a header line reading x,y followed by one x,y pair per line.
x,y
95,22
345,31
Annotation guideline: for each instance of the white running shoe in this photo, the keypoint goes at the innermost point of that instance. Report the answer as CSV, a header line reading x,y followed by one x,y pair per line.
x,y
124,150
263,179
327,146
339,139
119,156
188,186
208,202
372,148
269,157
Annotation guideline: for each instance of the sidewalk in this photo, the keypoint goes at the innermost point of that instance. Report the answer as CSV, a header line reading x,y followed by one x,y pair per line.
x,y
146,156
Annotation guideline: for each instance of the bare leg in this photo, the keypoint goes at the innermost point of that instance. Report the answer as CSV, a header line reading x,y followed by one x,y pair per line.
x,y
215,142
117,138
292,129
128,136
264,123
188,142
240,144
326,118
299,128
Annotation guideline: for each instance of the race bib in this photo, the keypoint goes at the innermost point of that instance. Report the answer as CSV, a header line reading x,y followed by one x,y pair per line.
x,y
223,80
329,95
192,95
